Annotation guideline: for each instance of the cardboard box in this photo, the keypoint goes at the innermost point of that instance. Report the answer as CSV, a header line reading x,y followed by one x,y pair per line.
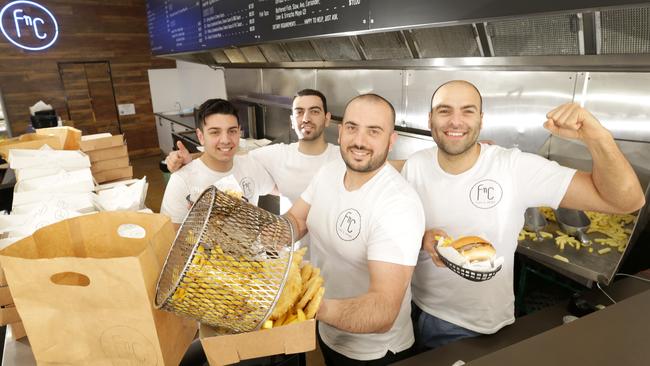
x,y
3,279
100,141
76,181
114,174
69,137
5,296
9,314
18,330
61,159
28,141
108,154
102,165
229,349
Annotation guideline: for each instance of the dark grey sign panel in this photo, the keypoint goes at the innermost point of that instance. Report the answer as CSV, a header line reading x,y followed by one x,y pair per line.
x,y
183,26
405,13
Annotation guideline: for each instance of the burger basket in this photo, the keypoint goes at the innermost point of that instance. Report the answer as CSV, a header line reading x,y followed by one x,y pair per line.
x,y
227,265
476,276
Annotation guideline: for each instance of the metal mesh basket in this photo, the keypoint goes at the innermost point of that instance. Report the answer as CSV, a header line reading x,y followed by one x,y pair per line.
x,y
468,274
227,265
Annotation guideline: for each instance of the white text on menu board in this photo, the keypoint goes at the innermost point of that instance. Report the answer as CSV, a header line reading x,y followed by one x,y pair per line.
x,y
285,10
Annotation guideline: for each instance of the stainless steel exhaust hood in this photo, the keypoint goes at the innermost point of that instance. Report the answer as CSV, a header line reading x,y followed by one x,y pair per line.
x,y
574,35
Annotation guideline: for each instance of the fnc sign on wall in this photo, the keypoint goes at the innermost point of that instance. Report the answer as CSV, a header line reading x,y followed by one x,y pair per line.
x,y
28,25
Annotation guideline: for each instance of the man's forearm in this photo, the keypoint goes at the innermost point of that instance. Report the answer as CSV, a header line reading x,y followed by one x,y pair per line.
x,y
613,175
369,313
298,230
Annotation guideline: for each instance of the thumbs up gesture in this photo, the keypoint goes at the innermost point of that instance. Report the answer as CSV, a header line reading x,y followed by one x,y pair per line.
x,y
177,159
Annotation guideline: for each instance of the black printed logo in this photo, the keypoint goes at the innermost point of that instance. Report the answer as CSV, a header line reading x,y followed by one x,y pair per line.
x,y
348,225
486,194
248,187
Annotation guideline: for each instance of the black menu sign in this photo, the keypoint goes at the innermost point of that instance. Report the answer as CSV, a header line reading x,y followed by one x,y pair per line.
x,y
182,26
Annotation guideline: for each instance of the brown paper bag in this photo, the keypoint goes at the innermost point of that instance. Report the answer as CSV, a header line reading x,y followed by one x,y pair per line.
x,y
84,289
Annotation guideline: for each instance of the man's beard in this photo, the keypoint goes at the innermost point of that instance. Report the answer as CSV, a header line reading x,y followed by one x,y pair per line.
x,y
455,149
374,163
315,134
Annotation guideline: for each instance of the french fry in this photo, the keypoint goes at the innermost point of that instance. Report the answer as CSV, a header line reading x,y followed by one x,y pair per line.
x,y
546,235
306,271
291,319
315,273
314,304
561,258
301,315
282,319
604,250
311,292
267,324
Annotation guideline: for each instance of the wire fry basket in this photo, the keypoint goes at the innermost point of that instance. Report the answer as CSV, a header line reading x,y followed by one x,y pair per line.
x,y
468,274
227,265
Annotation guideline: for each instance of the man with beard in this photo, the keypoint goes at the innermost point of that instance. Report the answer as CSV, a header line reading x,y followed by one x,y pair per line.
x,y
366,226
291,166
470,188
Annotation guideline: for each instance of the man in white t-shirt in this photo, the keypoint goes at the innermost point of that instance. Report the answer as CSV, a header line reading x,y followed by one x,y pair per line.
x,y
219,135
291,166
366,225
470,188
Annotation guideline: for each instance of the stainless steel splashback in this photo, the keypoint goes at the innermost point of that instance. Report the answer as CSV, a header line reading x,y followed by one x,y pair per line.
x,y
514,102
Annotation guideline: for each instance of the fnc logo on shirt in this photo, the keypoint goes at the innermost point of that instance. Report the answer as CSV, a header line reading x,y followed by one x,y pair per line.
x,y
485,194
348,225
248,187
28,25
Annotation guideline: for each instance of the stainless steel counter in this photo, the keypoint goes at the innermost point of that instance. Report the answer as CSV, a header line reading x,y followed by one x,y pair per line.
x,y
537,338
17,353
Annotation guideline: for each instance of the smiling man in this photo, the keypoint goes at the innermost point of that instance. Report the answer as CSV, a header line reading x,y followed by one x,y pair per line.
x,y
219,135
291,166
471,188
366,226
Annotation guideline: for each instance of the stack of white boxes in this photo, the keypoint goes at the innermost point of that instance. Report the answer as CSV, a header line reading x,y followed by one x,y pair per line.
x,y
109,157
54,178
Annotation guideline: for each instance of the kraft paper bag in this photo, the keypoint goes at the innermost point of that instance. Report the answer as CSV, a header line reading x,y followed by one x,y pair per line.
x,y
84,289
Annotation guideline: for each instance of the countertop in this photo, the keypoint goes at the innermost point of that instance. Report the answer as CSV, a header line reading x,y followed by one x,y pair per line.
x,y
619,332
616,335
186,120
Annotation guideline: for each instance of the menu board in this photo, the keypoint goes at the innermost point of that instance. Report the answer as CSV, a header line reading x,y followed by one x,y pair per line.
x,y
174,25
177,26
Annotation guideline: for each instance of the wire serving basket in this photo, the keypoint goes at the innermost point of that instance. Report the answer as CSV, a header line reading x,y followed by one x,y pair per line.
x,y
227,265
468,274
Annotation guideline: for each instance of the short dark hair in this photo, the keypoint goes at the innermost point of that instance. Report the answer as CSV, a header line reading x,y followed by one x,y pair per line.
x,y
216,106
312,92
375,98
480,97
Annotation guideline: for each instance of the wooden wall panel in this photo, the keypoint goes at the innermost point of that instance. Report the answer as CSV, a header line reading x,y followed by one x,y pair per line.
x,y
89,30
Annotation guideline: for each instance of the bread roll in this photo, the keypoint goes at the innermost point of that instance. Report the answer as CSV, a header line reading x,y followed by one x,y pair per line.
x,y
474,248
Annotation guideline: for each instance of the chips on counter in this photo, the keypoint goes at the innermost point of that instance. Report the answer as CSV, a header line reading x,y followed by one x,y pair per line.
x,y
610,225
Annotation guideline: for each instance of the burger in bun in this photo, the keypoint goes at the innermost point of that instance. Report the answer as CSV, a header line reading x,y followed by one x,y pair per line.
x,y
473,248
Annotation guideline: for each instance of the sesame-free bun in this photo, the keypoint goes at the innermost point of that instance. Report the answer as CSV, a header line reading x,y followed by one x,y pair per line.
x,y
474,248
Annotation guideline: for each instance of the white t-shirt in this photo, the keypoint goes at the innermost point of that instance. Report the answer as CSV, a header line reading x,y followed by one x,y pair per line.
x,y
381,221
488,200
290,169
195,177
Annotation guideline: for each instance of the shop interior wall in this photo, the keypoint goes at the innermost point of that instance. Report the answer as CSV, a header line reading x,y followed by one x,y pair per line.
x,y
515,103
89,30
185,87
